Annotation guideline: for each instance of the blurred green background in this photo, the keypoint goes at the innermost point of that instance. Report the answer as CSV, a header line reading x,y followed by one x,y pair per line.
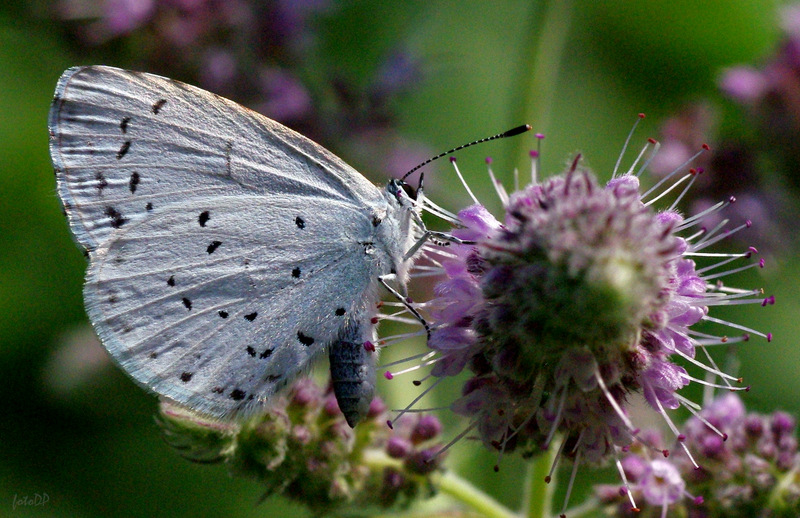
x,y
78,430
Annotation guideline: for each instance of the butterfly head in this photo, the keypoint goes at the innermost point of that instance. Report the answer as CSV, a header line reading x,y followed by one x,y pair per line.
x,y
402,192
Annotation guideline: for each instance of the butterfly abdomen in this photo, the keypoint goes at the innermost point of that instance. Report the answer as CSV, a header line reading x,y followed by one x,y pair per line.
x,y
352,374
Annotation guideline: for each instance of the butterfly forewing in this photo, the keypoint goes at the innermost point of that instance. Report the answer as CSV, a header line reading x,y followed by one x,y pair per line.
x,y
126,143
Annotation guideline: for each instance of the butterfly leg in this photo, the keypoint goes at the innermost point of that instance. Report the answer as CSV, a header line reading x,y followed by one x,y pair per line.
x,y
405,301
440,238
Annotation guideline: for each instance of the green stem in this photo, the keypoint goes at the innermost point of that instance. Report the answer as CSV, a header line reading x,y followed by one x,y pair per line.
x,y
776,501
547,38
538,499
449,483
463,491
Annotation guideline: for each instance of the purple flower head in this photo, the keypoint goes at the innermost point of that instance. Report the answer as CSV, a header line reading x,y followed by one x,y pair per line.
x,y
749,467
662,483
579,296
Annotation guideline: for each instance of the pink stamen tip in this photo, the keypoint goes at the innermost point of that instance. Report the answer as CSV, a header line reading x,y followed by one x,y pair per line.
x,y
540,136
665,453
700,170
748,223
626,448
641,115
488,160
698,500
724,437
452,159
652,140
761,263
697,468
706,147
747,388
389,424
623,491
732,199
409,301
745,337
769,337
753,249
369,346
635,431
534,153
681,438
388,375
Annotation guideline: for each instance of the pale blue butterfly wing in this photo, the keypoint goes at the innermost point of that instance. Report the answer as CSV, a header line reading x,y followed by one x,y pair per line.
x,y
225,250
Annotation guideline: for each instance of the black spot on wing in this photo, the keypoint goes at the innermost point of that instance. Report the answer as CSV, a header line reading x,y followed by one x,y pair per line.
x,y
116,217
296,273
266,354
252,316
153,355
171,280
251,351
102,183
339,312
123,150
238,394
223,314
149,206
228,149
187,303
186,376
158,105
203,218
213,246
304,339
123,125
134,181
299,222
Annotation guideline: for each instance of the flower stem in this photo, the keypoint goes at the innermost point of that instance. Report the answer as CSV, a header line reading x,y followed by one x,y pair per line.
x,y
777,501
463,491
541,63
538,498
449,483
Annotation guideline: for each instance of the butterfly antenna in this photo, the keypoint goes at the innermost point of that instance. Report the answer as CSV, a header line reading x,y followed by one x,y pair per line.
x,y
510,133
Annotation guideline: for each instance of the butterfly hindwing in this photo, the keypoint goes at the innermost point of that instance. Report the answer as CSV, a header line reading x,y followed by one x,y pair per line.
x,y
219,315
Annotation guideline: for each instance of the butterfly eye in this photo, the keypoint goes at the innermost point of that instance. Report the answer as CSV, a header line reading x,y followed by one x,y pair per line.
x,y
399,188
410,191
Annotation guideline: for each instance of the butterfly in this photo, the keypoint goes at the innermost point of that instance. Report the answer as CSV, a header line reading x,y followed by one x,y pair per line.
x,y
225,250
